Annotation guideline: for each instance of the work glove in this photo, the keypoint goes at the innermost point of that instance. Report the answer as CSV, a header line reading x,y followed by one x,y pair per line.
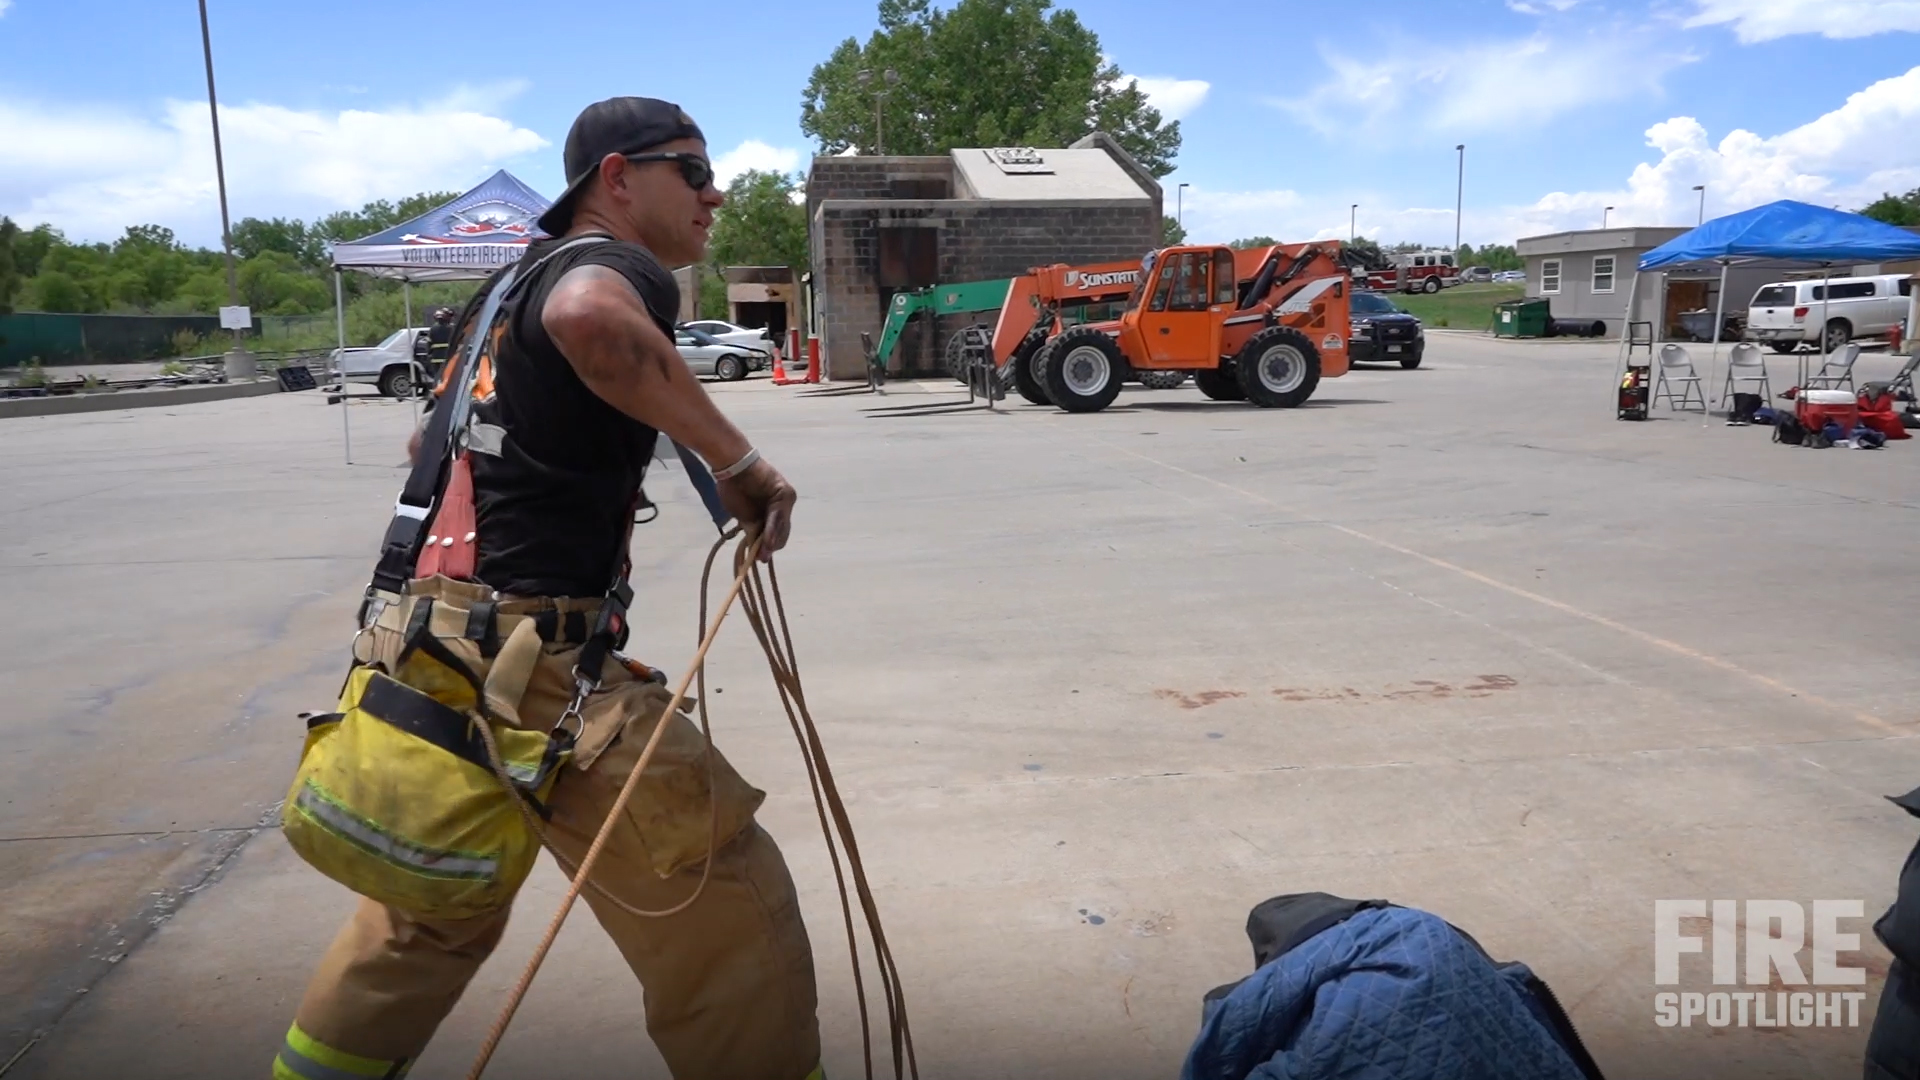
x,y
761,500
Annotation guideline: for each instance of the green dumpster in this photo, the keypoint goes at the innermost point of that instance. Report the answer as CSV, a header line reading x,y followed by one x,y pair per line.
x,y
1522,318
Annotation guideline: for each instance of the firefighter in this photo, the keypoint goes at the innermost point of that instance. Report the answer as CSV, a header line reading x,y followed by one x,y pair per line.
x,y
584,376
439,338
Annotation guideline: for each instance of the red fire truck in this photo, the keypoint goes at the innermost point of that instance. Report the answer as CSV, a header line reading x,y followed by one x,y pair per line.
x,y
1416,271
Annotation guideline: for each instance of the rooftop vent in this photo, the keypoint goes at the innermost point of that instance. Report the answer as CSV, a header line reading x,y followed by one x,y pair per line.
x,y
1015,160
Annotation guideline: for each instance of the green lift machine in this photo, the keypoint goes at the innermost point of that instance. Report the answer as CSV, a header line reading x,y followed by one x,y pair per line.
x,y
974,362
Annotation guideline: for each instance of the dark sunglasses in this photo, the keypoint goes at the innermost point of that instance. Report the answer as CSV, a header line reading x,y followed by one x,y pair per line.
x,y
694,169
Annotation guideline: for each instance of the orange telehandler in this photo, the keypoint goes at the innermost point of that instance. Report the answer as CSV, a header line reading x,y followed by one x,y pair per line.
x,y
1260,324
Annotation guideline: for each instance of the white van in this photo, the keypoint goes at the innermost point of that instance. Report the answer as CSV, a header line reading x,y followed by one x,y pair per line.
x,y
1790,313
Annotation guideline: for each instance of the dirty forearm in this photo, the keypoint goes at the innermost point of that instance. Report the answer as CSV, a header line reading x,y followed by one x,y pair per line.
x,y
605,332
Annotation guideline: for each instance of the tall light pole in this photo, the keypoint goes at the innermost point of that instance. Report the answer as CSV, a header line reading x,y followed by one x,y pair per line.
x,y
1180,206
1603,216
889,79
1702,189
1353,218
239,363
1459,190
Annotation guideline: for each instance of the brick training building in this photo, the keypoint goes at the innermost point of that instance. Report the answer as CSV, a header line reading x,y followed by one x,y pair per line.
x,y
881,225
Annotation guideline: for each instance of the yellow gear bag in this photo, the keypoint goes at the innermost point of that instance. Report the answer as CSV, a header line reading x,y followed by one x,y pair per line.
x,y
395,798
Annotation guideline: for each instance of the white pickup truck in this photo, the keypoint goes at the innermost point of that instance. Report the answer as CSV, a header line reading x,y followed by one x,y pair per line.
x,y
389,365
1789,313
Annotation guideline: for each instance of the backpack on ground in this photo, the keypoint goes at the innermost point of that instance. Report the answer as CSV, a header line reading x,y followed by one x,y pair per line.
x,y
1368,988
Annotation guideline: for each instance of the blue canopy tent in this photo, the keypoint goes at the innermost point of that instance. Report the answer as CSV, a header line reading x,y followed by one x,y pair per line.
x,y
1784,234
466,238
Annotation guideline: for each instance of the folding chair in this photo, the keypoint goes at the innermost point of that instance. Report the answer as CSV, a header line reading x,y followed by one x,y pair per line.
x,y
1837,371
1746,364
1676,369
1902,384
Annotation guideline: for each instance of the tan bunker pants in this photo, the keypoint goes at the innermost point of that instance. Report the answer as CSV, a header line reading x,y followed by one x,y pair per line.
x,y
728,983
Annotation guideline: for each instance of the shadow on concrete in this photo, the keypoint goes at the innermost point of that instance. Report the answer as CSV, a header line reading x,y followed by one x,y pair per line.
x,y
1223,406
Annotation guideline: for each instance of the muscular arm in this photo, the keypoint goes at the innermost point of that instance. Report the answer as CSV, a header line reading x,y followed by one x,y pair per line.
x,y
606,333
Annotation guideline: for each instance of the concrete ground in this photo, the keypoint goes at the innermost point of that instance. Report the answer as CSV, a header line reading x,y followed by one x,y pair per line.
x,y
1093,686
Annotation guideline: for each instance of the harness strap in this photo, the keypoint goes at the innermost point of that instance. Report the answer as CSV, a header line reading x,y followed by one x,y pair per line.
x,y
482,627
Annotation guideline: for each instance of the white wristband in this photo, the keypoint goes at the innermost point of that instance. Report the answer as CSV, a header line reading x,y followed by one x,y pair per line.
x,y
737,467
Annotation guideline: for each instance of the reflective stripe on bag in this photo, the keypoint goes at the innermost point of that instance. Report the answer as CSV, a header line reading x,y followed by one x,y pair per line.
x,y
302,1057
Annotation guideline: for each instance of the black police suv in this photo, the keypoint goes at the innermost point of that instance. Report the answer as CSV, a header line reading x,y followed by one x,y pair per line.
x,y
1382,332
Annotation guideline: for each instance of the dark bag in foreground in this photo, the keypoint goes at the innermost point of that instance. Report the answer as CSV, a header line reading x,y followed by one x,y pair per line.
x,y
1365,988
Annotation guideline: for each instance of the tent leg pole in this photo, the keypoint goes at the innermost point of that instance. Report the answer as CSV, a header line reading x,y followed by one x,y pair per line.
x,y
406,298
1713,359
1626,342
340,323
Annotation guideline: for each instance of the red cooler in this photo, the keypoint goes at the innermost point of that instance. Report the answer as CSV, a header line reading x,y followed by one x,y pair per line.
x,y
1817,408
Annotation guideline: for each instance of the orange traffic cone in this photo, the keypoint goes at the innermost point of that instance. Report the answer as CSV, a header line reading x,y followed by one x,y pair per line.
x,y
779,368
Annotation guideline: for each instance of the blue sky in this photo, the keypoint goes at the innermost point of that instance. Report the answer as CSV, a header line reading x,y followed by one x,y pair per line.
x,y
1291,112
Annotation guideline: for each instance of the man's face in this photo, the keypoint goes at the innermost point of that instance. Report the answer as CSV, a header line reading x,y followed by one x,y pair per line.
x,y
667,214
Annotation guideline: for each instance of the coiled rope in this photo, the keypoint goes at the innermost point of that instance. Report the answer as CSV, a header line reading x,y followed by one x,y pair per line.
x,y
760,600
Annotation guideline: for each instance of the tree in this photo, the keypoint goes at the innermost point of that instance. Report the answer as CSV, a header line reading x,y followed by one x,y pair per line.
x,y
252,236
982,73
1254,242
1368,252
30,249
9,273
760,224
1172,232
1895,209
55,290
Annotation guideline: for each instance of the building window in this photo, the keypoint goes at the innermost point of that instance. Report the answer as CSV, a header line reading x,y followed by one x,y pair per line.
x,y
909,257
1603,273
1549,276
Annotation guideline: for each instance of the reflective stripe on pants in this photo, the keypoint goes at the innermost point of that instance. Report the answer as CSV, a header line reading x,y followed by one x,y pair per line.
x,y
302,1057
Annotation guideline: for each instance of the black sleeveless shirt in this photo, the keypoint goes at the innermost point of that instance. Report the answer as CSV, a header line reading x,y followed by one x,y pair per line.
x,y
555,504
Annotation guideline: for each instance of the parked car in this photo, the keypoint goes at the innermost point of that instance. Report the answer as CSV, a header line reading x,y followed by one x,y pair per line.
x,y
389,365
1787,314
733,334
1511,277
1382,331
1477,274
707,355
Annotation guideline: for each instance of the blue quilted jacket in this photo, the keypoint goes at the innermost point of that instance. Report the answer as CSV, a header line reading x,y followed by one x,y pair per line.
x,y
1389,994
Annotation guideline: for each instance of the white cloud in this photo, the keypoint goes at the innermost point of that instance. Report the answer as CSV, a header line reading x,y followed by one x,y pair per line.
x,y
93,171
4,5
1847,157
1763,20
1525,8
1174,98
1480,86
754,154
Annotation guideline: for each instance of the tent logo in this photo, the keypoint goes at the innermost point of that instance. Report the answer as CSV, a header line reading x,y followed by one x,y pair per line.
x,y
494,217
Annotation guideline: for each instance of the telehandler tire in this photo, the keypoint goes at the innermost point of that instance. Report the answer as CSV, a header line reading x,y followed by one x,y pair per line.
x,y
1163,380
1025,362
1278,367
1082,370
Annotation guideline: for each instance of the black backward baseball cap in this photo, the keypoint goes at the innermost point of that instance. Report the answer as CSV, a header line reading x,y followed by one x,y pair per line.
x,y
622,125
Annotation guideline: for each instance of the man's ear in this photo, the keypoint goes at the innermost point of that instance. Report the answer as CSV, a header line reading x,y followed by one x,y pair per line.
x,y
613,172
